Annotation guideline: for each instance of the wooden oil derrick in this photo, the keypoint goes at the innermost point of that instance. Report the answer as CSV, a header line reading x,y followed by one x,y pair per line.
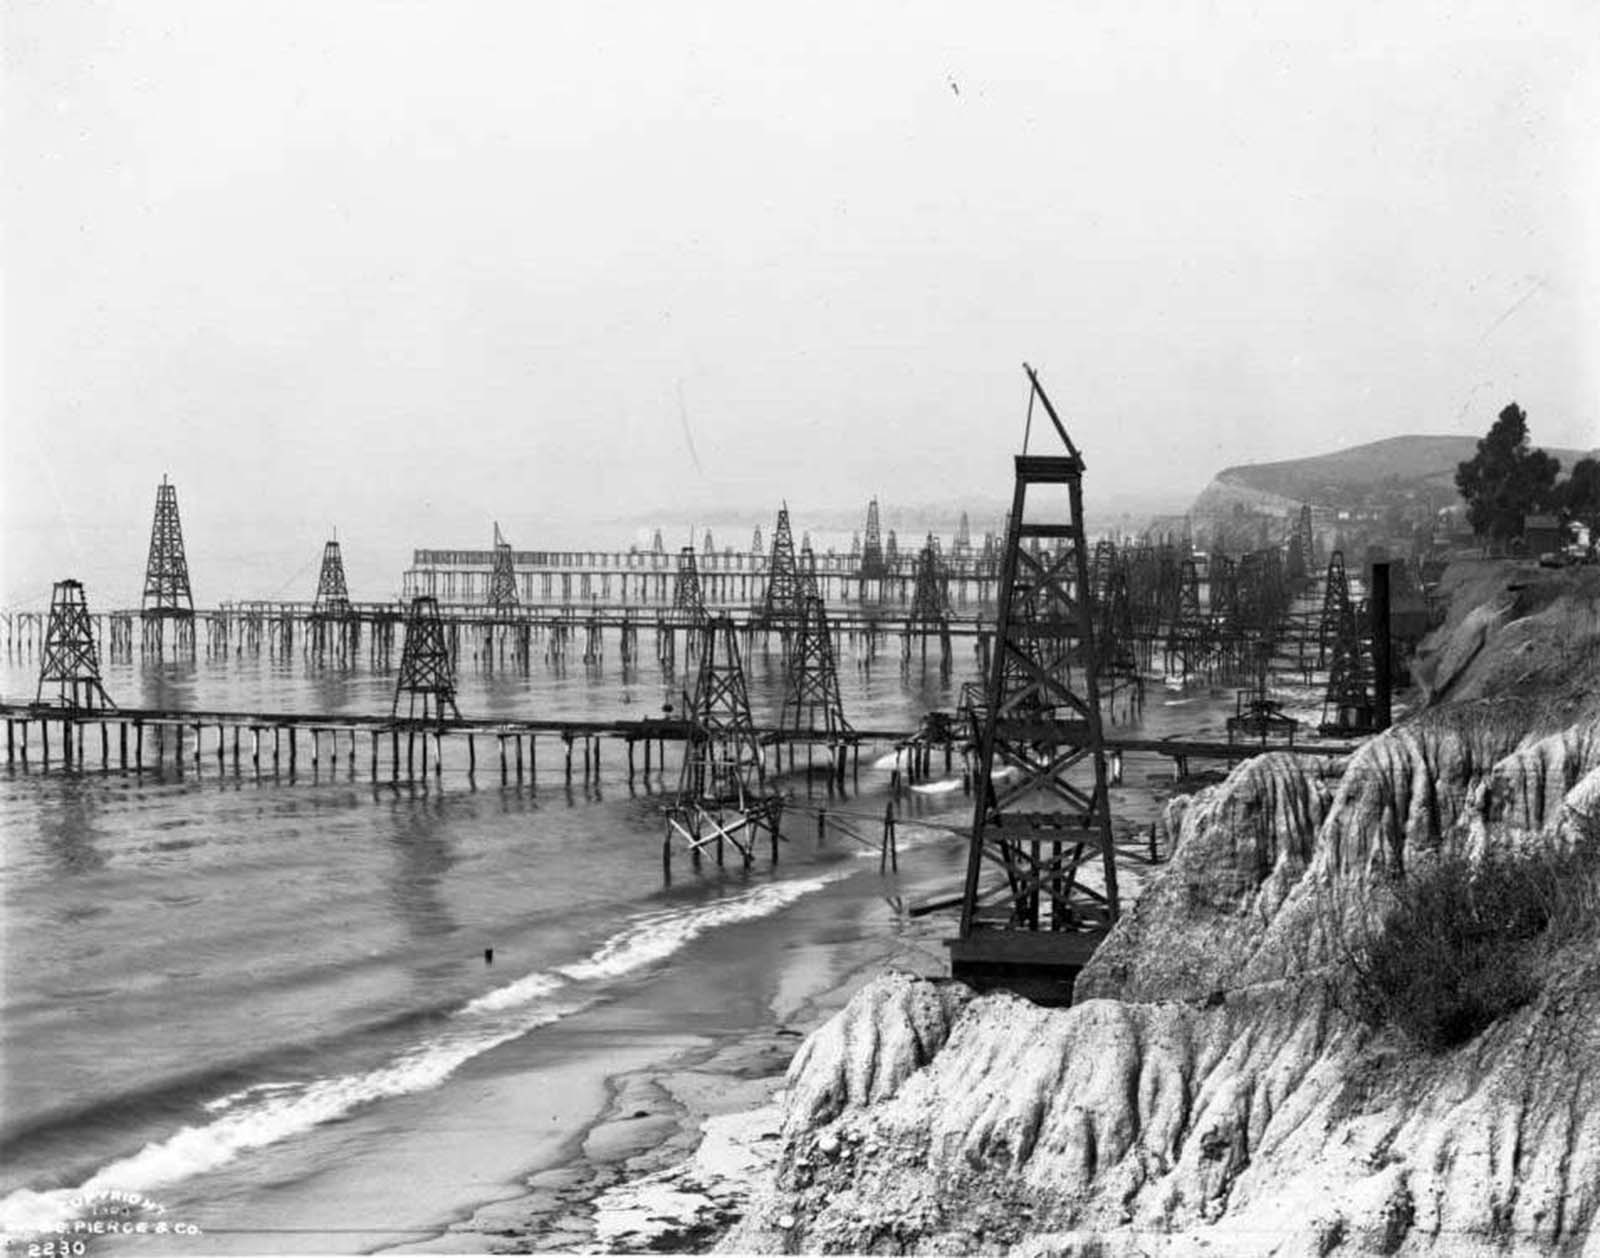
x,y
657,545
1336,607
810,583
1120,676
427,677
503,578
961,549
756,548
1188,642
333,594
688,603
166,574
891,553
780,603
166,577
813,711
1032,929
1349,708
331,627
707,545
989,557
71,662
1302,559
930,604
721,796
872,566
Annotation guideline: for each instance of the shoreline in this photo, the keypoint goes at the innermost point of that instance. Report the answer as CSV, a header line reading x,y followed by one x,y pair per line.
x,y
663,1164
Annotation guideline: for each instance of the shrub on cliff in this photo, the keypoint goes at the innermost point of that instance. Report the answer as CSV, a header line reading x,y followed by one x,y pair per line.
x,y
1466,942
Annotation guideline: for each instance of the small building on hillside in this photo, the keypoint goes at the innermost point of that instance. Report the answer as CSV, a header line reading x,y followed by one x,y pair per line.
x,y
1541,533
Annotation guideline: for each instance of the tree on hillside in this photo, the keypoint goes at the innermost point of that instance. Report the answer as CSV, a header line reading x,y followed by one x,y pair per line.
x,y
1580,494
1506,479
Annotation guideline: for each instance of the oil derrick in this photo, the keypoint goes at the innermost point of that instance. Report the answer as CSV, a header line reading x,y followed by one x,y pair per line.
x,y
1223,627
873,567
166,574
961,550
1302,547
1335,607
1349,707
1036,926
333,595
810,585
989,557
721,792
756,547
687,598
930,604
812,708
707,546
781,602
930,596
71,662
1187,643
331,625
426,677
1118,659
657,546
891,552
503,577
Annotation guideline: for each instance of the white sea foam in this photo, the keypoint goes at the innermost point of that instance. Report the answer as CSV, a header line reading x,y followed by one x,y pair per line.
x,y
938,788
656,936
890,761
248,1120
244,1094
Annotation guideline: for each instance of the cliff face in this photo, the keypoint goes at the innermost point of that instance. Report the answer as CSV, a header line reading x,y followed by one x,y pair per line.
x,y
1213,1086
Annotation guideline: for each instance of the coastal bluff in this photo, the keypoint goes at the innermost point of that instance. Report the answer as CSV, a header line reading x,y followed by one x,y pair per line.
x,y
1220,1087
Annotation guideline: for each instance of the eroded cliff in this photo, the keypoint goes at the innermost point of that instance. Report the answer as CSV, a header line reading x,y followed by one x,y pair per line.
x,y
1215,1086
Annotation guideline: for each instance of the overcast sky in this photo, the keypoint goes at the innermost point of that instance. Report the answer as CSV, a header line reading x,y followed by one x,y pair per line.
x,y
405,268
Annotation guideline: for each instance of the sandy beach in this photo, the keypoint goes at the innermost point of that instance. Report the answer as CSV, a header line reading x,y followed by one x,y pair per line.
x,y
663,1161
665,1157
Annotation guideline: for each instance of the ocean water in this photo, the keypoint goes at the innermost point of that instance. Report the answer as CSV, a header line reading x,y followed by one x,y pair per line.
x,y
221,987
239,996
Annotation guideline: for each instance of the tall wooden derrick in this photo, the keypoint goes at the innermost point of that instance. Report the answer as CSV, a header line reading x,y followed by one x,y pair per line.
x,y
427,678
71,662
166,576
688,602
1302,547
1047,828
722,798
1348,707
331,626
504,607
872,566
1188,641
1335,607
1222,621
503,578
1121,678
930,604
333,592
813,710
780,602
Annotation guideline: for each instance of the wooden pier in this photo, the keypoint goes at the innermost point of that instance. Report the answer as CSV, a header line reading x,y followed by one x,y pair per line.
x,y
388,749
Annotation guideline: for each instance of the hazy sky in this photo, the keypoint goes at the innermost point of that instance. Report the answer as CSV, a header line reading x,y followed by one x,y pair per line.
x,y
405,268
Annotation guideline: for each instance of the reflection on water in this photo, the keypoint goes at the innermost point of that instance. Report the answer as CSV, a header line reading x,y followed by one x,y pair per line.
x,y
68,826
